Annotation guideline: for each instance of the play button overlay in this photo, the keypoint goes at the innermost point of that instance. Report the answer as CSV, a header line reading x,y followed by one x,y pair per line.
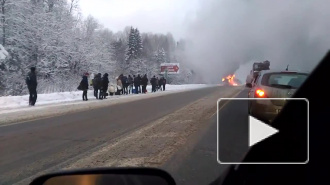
x,y
259,131
273,131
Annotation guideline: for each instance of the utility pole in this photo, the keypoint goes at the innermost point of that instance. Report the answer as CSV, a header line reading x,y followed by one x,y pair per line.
x,y
166,71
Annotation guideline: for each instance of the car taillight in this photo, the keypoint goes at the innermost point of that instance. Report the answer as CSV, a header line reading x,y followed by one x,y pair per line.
x,y
260,93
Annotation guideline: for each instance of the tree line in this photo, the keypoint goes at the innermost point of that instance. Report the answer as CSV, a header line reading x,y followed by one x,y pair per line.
x,y
53,36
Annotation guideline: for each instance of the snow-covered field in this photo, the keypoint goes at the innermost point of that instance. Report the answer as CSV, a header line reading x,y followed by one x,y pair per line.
x,y
12,102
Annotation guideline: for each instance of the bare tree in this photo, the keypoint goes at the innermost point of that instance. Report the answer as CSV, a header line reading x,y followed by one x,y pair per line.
x,y
53,36
90,26
74,4
3,21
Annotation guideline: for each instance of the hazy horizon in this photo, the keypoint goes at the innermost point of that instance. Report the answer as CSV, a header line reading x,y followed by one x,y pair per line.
x,y
225,34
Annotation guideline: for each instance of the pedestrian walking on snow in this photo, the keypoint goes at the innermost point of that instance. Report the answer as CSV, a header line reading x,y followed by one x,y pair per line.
x,y
161,81
140,83
84,87
137,84
157,84
144,83
130,84
96,85
164,83
153,84
31,82
105,85
124,80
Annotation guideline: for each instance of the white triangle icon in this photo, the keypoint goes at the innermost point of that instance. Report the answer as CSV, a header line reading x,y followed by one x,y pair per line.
x,y
259,131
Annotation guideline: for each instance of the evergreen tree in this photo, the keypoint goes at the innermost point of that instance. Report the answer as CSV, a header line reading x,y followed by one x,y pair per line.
x,y
160,56
131,46
118,52
147,48
133,61
138,44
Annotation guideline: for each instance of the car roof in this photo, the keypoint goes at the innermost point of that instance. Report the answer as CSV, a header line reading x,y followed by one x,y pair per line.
x,y
280,71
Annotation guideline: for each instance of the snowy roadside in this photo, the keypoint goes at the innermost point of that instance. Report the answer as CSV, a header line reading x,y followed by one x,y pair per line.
x,y
15,108
14,102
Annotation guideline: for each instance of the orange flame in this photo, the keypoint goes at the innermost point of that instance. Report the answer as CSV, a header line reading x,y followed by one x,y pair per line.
x,y
231,80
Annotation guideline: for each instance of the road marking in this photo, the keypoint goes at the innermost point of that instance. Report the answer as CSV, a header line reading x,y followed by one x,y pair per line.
x,y
225,104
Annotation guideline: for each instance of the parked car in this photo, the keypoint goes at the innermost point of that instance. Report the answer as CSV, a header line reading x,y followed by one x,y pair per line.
x,y
273,84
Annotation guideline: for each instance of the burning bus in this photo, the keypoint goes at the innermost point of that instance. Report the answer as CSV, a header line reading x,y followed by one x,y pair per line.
x,y
230,80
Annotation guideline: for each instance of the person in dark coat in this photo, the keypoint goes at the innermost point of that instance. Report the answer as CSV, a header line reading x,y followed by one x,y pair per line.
x,y
164,83
153,84
105,85
124,80
141,79
140,82
157,84
84,87
130,84
31,82
136,84
161,82
99,84
144,83
121,77
96,85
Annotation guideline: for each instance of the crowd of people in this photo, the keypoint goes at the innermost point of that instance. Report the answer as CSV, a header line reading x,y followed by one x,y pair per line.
x,y
124,85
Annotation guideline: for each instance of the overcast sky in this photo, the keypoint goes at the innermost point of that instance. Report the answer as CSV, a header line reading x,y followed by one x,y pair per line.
x,y
228,33
157,16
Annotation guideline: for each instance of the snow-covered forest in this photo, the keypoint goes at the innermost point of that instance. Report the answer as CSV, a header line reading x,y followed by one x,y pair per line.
x,y
53,36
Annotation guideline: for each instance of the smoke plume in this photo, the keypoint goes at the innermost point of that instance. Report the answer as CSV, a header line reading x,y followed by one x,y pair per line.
x,y
228,33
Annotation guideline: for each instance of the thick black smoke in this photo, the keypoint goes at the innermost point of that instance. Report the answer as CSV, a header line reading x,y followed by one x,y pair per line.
x,y
228,33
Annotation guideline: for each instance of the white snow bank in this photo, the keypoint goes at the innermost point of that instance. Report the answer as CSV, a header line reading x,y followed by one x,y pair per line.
x,y
13,102
3,53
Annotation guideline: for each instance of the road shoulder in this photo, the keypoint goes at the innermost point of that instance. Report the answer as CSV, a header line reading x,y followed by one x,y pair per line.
x,y
196,161
21,115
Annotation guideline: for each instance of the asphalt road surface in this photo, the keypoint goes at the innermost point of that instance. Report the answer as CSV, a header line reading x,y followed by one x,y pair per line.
x,y
157,132
196,162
